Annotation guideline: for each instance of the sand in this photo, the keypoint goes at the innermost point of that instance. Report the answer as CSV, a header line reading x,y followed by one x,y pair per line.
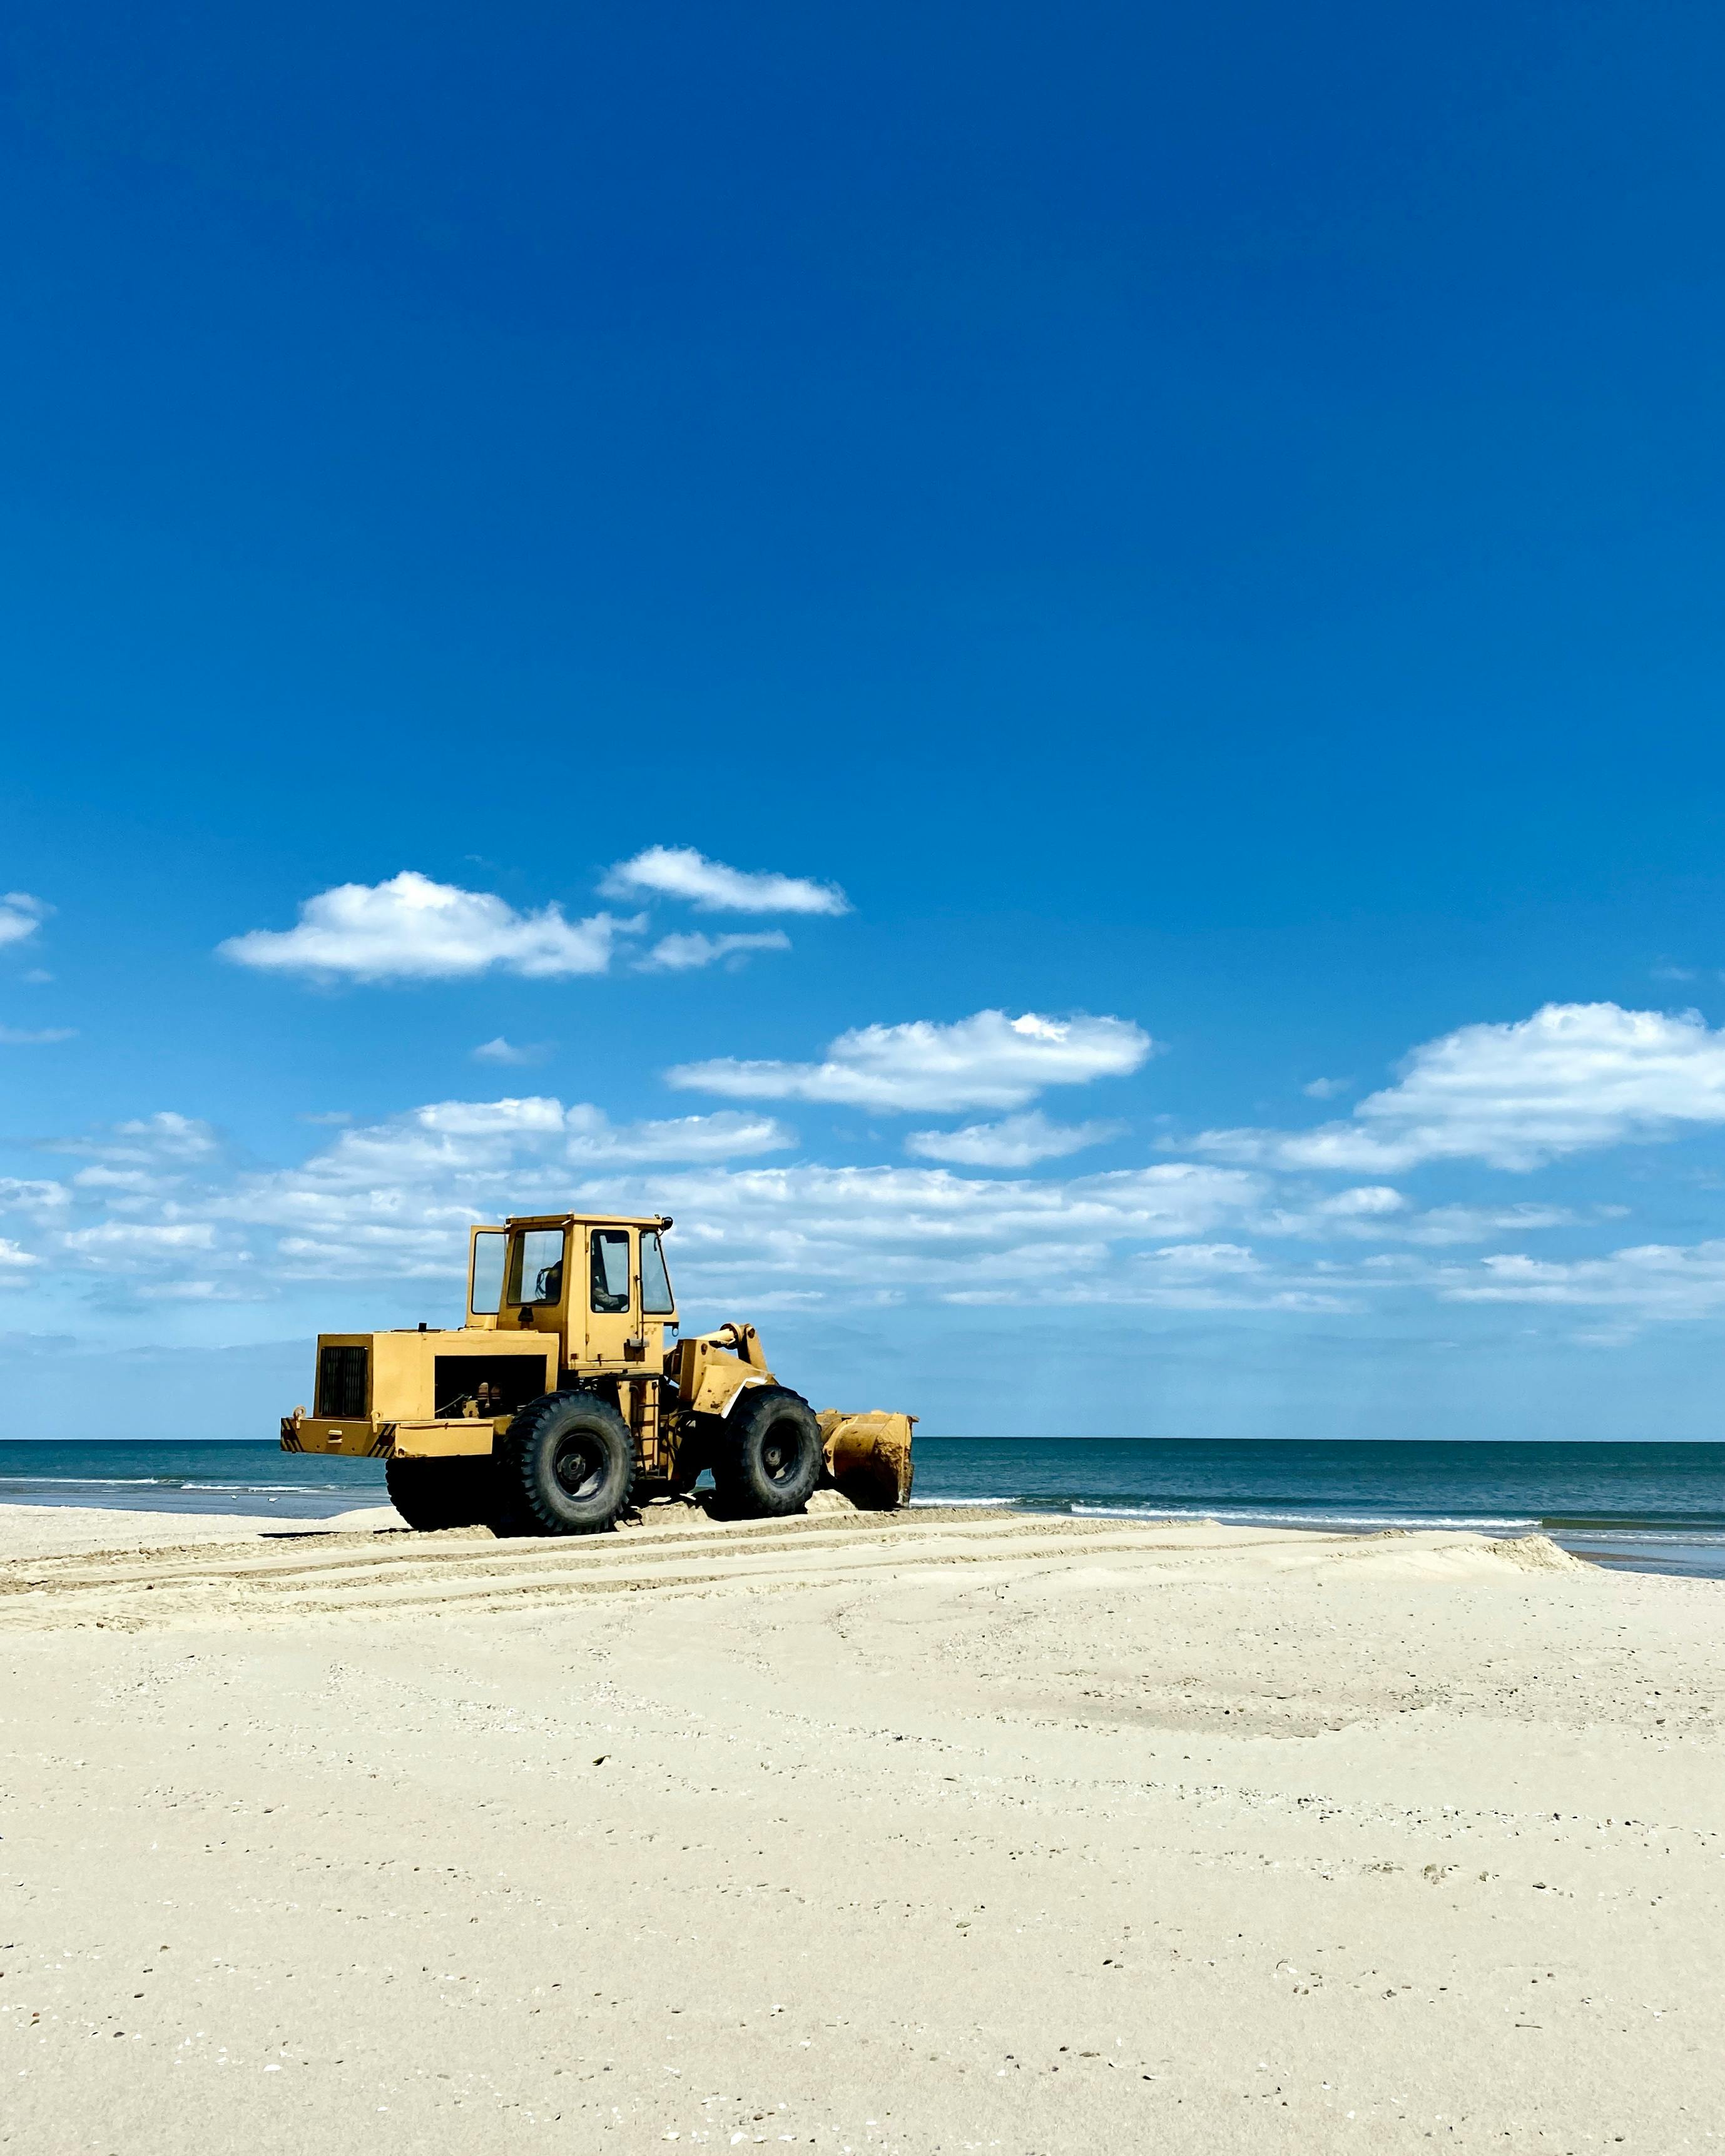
x,y
949,1831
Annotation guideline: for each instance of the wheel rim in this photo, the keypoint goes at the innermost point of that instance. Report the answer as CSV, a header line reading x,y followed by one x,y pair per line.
x,y
780,1452
579,1466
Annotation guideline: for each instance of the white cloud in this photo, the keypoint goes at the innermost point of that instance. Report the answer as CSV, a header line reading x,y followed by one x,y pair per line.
x,y
503,1051
1373,1213
154,1141
681,954
398,1196
391,1200
411,928
15,1261
986,1061
1474,1223
145,1160
12,1036
394,1201
727,1136
1326,1089
1652,1280
110,1180
1015,1142
21,915
1572,1077
160,1205
18,1195
1366,1202
229,1289
886,1231
130,1245
711,887
1202,1261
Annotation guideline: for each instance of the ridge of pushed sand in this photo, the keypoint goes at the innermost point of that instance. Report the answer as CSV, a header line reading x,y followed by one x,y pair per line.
x,y
360,1562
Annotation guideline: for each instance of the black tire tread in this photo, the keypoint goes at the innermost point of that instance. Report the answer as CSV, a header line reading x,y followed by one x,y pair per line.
x,y
520,1508
741,1493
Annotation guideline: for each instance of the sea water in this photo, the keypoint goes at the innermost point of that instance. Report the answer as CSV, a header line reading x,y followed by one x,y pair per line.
x,y
1647,1507
1650,1507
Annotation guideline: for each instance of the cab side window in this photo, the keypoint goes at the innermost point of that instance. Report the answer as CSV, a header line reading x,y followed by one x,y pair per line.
x,y
485,1294
610,1271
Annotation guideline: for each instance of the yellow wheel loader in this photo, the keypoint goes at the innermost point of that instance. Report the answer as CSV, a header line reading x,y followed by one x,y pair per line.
x,y
562,1402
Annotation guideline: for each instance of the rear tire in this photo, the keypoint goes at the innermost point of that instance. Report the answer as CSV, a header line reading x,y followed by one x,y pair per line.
x,y
568,1468
430,1494
767,1454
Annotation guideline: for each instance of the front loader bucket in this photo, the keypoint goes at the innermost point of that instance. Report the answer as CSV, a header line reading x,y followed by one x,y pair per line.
x,y
869,1456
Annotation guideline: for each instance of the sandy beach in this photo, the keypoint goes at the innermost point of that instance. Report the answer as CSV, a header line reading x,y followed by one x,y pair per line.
x,y
943,1831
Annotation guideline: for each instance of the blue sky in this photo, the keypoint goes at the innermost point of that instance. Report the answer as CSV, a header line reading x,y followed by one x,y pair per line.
x,y
1185,549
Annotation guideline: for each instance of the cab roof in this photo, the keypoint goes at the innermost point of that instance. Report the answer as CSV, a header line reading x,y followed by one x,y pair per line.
x,y
661,1220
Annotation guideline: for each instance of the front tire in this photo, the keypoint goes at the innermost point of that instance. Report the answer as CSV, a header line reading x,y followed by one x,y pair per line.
x,y
568,1466
767,1454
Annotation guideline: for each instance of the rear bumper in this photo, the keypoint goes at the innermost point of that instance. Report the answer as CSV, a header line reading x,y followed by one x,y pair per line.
x,y
365,1437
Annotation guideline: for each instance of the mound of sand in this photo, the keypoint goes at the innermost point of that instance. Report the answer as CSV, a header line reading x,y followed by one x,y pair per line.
x,y
914,1833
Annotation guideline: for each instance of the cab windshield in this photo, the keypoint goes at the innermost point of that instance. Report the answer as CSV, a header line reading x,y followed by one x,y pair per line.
x,y
657,1300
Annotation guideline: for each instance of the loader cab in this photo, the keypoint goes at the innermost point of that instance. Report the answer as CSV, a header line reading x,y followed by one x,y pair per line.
x,y
599,1282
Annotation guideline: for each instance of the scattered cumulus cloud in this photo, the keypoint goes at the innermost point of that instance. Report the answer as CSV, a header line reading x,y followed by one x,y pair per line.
x,y
503,1051
31,1194
229,1288
1573,1077
21,915
150,1172
804,1228
163,1210
682,954
711,887
126,1245
404,1187
727,1136
1326,1089
410,928
1650,1280
1370,1201
1374,1213
1014,1142
1478,1224
1202,1261
989,1060
166,1211
393,1200
164,1138
13,1036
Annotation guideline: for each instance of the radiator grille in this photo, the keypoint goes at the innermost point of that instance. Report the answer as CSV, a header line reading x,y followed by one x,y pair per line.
x,y
342,1381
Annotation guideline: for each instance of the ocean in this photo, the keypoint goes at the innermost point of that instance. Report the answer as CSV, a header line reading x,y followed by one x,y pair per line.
x,y
1645,1507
